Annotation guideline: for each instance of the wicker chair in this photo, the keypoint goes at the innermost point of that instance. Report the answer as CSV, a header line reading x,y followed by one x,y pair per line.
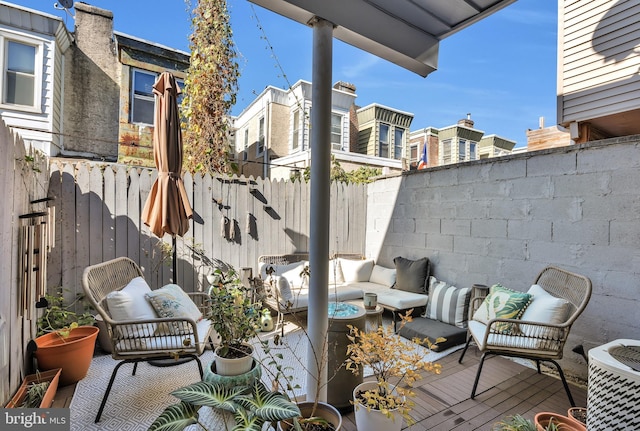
x,y
541,341
134,341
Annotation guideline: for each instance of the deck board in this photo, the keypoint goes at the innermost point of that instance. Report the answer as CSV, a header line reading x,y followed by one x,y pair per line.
x,y
443,401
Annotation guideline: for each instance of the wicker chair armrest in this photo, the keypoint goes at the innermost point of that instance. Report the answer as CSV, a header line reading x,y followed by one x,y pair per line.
x,y
526,334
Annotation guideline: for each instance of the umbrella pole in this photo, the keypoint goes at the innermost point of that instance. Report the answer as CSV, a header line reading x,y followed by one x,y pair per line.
x,y
174,275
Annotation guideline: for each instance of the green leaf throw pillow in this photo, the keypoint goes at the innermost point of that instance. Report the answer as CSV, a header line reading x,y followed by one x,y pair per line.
x,y
502,303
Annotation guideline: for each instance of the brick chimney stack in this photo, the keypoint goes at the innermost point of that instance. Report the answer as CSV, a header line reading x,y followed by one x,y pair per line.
x,y
467,122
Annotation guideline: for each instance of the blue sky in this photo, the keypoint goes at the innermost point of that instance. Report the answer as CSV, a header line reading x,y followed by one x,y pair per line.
x,y
502,70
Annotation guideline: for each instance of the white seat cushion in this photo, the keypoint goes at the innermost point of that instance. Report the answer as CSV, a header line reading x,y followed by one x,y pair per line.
x,y
134,346
478,329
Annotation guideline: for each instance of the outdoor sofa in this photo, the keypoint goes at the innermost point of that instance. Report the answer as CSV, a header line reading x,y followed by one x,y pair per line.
x,y
284,285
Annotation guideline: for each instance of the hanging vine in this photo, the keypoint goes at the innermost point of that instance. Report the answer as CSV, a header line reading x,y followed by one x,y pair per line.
x,y
211,86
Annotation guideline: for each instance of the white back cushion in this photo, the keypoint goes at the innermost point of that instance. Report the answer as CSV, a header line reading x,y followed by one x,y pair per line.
x,y
544,308
382,275
356,270
130,303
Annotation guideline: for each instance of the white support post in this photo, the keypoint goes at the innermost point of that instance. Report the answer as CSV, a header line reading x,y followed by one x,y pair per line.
x,y
317,317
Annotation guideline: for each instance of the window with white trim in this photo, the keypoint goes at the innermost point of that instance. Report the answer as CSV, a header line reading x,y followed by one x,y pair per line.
x,y
142,97
446,151
260,146
462,150
383,141
296,130
336,132
21,72
473,155
398,143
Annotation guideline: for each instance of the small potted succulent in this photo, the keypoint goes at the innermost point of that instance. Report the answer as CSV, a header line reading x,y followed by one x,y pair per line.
x,y
380,404
236,319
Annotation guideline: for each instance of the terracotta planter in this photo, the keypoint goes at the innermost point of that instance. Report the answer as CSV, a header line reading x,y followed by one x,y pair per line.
x,y
374,420
564,423
233,366
73,354
323,410
51,376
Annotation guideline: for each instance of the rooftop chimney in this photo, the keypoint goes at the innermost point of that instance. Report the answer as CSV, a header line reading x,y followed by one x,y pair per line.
x,y
467,122
345,86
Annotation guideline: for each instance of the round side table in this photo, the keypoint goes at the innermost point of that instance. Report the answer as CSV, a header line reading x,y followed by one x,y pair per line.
x,y
373,317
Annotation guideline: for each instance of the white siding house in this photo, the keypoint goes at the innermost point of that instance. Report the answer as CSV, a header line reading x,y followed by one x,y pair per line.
x,y
598,68
32,52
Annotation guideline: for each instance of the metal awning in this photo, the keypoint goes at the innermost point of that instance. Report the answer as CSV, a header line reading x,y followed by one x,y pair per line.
x,y
405,32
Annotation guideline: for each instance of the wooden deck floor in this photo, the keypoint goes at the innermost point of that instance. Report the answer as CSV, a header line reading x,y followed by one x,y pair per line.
x,y
443,403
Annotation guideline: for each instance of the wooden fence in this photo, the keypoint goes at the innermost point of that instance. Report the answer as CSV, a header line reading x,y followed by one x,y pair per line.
x,y
24,178
98,207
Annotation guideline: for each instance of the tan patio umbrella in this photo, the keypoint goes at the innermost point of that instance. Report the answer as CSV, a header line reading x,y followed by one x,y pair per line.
x,y
167,210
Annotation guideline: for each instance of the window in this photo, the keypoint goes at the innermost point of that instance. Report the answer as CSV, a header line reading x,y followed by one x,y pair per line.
x,y
414,155
246,139
383,145
260,146
398,143
446,151
296,130
142,97
142,100
336,132
462,150
472,151
22,73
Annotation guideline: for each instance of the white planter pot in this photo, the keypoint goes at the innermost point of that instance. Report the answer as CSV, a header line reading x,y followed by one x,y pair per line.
x,y
233,366
374,420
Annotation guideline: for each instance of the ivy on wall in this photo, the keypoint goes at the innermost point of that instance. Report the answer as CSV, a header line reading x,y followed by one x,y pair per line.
x,y
210,90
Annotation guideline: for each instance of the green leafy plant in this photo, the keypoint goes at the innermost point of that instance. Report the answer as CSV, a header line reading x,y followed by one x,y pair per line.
x,y
234,316
389,358
61,318
35,394
514,423
251,407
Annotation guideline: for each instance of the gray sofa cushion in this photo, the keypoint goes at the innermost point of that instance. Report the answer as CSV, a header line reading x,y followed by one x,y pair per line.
x,y
411,275
422,327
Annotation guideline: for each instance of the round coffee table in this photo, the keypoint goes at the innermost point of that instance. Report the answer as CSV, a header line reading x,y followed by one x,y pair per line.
x,y
373,317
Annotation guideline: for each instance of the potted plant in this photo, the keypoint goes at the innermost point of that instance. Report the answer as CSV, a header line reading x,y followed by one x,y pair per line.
x,y
67,340
547,421
236,319
37,390
381,404
246,408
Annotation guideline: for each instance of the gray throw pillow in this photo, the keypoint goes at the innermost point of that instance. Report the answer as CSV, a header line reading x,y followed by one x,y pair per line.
x,y
411,275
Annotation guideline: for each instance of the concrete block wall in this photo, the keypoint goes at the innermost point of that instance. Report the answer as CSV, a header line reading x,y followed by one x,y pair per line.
x,y
505,219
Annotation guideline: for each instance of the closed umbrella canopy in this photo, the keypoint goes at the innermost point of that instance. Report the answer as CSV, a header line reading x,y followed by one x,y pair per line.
x,y
167,209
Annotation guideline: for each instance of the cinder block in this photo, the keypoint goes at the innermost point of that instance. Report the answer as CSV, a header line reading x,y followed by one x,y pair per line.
x,y
436,241
469,245
489,228
597,159
428,226
507,169
625,233
507,248
596,183
456,227
584,232
529,229
551,164
531,187
611,207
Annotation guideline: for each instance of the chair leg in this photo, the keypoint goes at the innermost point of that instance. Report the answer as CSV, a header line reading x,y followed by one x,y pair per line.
x,y
475,383
106,393
200,368
538,366
564,382
466,346
135,368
